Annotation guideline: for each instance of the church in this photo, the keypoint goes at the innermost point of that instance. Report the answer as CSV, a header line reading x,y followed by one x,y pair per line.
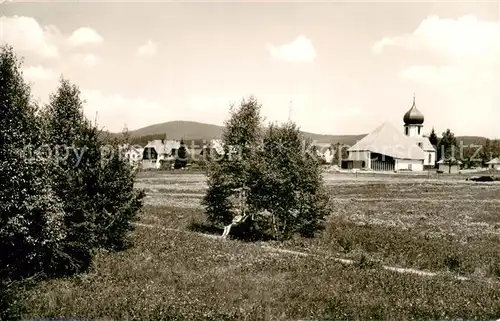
x,y
388,149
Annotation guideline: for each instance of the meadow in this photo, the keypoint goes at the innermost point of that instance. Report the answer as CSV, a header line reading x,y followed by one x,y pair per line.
x,y
393,248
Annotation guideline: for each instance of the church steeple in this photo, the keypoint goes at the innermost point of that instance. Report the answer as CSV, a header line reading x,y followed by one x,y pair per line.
x,y
413,116
413,121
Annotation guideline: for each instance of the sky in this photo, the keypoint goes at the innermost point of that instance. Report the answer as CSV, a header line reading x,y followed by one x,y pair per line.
x,y
333,67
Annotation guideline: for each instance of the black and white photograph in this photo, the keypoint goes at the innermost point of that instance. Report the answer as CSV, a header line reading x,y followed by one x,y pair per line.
x,y
249,160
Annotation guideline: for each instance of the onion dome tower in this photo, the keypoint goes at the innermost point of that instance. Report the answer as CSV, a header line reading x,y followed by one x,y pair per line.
x,y
413,121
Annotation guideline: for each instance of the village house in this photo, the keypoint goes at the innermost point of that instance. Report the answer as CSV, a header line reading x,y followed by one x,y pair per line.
x,y
159,150
449,166
494,163
133,153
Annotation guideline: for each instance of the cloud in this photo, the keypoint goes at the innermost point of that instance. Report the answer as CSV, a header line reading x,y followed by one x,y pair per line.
x,y
25,34
300,50
85,36
465,37
38,73
91,60
148,50
114,111
434,75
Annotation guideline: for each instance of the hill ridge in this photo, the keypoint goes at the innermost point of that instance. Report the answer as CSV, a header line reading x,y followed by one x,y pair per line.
x,y
194,130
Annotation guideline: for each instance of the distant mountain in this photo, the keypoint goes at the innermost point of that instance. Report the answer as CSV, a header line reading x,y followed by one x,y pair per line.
x,y
196,131
188,130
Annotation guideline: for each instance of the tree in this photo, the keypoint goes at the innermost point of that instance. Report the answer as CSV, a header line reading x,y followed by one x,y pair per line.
x,y
181,157
226,175
447,146
433,139
276,172
93,178
30,213
486,152
339,153
287,183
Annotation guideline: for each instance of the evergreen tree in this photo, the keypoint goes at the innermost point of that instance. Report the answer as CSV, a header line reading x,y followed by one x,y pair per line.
x,y
77,171
31,227
434,140
486,152
30,214
93,178
181,157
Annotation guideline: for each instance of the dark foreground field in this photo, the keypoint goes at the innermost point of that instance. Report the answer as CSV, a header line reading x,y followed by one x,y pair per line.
x,y
443,235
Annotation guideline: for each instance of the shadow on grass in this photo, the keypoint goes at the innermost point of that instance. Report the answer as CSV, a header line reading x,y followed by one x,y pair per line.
x,y
246,232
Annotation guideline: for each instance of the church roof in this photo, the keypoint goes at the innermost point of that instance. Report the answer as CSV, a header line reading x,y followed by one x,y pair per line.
x,y
388,140
426,144
413,116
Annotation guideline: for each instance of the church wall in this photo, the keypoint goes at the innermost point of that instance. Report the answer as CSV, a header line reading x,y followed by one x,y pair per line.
x,y
430,158
417,165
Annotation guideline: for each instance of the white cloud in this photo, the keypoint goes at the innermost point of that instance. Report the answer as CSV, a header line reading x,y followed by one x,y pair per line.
x,y
435,75
466,37
85,36
38,73
300,50
114,111
91,60
148,50
25,34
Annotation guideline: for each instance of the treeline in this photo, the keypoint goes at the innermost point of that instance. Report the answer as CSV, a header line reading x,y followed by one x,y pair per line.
x,y
450,149
65,192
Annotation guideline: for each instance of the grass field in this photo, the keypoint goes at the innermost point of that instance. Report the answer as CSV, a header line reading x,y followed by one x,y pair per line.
x,y
444,235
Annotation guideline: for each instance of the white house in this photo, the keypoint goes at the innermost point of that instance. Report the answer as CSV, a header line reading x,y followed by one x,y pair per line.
x,y
133,153
494,163
387,149
452,167
157,150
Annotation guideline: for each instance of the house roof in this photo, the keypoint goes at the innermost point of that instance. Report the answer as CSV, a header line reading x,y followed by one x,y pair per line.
x,y
388,140
453,161
494,161
131,148
163,147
